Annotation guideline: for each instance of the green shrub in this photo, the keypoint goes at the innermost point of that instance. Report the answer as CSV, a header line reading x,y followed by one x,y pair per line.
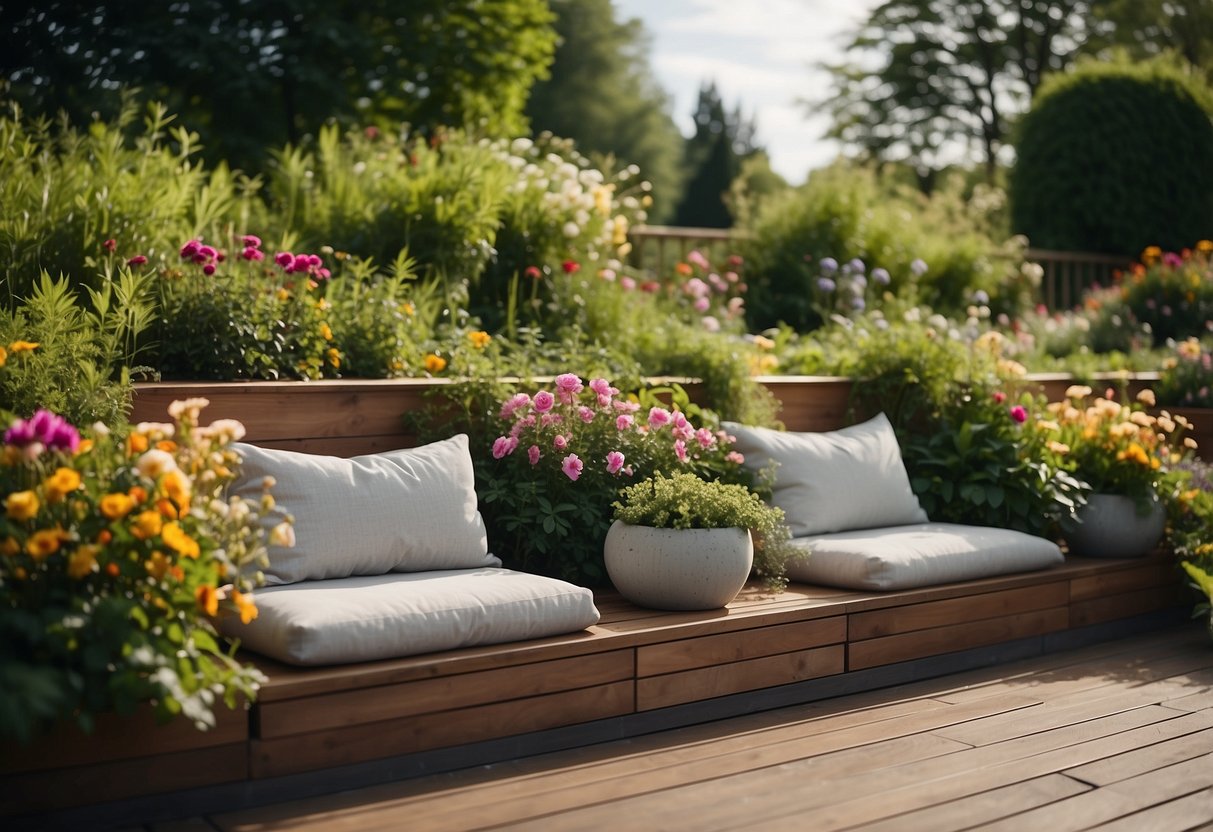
x,y
1114,157
66,191
846,213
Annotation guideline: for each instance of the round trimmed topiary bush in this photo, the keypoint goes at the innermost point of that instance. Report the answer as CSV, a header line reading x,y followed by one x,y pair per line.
x,y
1114,157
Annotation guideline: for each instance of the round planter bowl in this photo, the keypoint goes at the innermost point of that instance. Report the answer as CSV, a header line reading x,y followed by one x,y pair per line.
x,y
1113,527
678,569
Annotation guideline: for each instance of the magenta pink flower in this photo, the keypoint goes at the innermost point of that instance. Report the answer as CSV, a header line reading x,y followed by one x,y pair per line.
x,y
1000,397
137,260
571,467
190,249
702,305
543,401
705,438
251,253
659,417
682,429
250,241
532,453
624,421
514,404
208,252
567,387
585,414
48,429
603,389
614,461
548,419
1019,414
734,457
284,259
110,245
696,258
208,269
680,450
627,283
560,442
504,446
625,406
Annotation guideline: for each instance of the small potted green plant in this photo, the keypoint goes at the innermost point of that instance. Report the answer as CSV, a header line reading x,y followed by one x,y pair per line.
x,y
681,542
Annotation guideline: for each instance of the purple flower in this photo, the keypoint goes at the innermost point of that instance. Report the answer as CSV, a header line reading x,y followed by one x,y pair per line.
x,y
880,276
857,266
858,303
825,284
45,428
828,265
981,296
918,266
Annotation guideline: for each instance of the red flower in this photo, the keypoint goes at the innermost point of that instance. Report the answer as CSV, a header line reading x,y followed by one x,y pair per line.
x,y
137,260
570,266
110,245
1000,397
533,272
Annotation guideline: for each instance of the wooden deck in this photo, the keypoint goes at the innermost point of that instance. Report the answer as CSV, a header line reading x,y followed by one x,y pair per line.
x,y
637,673
1115,736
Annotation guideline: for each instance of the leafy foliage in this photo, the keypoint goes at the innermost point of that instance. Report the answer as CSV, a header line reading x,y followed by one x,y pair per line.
x,y
1115,157
1171,294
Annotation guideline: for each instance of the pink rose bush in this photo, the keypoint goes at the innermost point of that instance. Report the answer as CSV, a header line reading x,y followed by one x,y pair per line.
x,y
562,454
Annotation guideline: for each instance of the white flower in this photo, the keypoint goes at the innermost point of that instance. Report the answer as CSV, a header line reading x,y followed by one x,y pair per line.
x,y
154,463
571,229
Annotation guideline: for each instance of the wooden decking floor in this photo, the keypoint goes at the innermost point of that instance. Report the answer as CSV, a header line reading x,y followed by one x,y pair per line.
x,y
1117,735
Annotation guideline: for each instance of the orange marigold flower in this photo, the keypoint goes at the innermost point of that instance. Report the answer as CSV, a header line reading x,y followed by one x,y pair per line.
x,y
176,486
10,547
208,599
136,443
480,339
44,543
176,539
116,506
22,346
434,363
157,565
147,524
245,605
21,505
167,445
82,561
61,483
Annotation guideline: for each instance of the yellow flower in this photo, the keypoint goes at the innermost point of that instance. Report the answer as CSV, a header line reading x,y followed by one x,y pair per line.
x,y
147,524
434,363
156,565
22,346
1204,246
176,486
82,561
479,339
116,506
3,356
9,547
207,599
21,505
61,483
248,610
326,332
44,542
408,308
334,356
176,539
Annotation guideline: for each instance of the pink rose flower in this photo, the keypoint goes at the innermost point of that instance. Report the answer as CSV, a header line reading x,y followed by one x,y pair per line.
x,y
680,450
571,467
585,414
543,401
560,442
504,446
614,461
513,404
659,417
567,387
734,457
624,421
705,438
532,453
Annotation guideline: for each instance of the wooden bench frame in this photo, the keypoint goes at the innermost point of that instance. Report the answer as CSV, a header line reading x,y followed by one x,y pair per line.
x,y
635,672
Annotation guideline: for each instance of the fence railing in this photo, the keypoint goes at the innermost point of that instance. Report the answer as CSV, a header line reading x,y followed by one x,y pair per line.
x,y
1065,274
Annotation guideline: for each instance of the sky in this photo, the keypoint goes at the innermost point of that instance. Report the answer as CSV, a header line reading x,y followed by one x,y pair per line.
x,y
761,54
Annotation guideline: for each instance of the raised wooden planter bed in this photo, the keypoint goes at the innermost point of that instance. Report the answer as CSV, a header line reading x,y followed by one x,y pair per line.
x,y
637,671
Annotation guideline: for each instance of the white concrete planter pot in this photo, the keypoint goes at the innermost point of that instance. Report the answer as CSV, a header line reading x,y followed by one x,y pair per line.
x,y
678,569
1113,527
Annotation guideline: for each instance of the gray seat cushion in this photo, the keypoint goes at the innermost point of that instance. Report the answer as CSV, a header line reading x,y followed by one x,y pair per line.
x,y
922,554
378,617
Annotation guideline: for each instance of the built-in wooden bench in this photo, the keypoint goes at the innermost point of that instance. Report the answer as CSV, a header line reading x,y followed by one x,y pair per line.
x,y
637,671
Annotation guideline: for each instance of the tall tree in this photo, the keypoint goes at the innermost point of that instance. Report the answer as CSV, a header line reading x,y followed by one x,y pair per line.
x,y
722,140
248,76
1148,27
602,94
928,77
